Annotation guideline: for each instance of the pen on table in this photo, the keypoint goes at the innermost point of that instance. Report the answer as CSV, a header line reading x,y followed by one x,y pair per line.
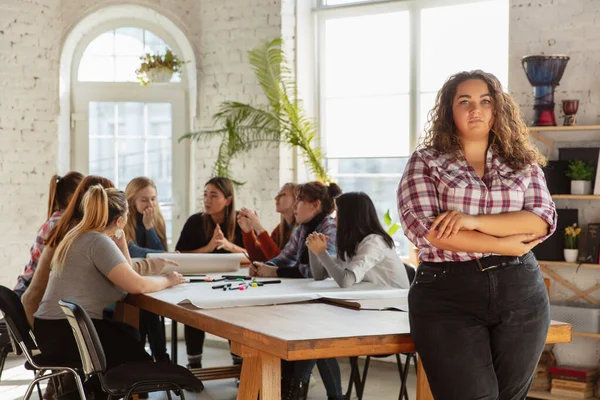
x,y
207,279
246,278
221,286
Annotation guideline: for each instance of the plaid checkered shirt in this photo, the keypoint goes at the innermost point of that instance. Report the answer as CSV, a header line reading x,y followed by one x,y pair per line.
x,y
435,182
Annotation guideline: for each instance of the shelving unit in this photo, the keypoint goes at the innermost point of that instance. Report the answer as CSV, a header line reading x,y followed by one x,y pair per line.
x,y
576,197
586,334
548,134
567,264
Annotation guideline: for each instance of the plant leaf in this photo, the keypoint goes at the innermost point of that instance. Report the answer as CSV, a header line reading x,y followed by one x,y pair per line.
x,y
387,218
394,228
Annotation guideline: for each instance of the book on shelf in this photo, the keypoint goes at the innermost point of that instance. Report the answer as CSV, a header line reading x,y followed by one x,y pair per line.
x,y
557,180
577,373
589,155
572,393
551,249
572,385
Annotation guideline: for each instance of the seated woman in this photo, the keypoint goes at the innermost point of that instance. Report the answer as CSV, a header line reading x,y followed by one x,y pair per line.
x,y
146,233
313,208
92,265
60,193
365,252
213,231
72,216
257,242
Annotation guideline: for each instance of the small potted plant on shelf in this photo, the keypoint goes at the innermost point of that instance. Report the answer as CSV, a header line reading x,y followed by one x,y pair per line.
x,y
157,68
571,250
581,175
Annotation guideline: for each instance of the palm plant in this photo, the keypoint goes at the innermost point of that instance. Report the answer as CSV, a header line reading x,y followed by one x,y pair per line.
x,y
282,120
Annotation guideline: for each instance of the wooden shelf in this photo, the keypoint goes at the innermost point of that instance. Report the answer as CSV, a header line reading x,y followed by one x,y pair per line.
x,y
586,334
541,394
566,264
575,128
576,196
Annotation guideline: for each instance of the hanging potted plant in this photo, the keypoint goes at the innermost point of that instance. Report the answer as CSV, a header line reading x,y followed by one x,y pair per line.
x,y
157,68
571,250
581,175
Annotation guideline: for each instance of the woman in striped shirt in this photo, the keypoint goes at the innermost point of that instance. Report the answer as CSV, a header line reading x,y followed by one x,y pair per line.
x,y
474,200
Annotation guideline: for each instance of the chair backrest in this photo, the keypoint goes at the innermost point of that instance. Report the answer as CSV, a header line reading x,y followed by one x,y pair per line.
x,y
84,331
411,271
16,320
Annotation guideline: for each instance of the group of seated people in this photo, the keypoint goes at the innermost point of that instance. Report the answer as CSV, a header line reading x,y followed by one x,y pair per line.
x,y
84,251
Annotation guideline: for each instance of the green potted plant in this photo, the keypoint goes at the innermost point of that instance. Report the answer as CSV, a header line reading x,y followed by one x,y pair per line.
x,y
158,68
571,250
282,119
581,175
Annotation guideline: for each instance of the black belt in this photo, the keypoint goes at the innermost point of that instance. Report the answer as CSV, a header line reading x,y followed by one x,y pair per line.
x,y
478,264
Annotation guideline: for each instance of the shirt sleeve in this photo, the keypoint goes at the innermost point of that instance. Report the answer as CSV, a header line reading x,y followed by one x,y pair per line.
x,y
539,201
252,246
192,234
153,241
418,204
289,254
105,254
268,244
343,276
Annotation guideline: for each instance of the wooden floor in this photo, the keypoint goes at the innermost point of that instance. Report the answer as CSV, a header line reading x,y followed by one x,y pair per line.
x,y
383,382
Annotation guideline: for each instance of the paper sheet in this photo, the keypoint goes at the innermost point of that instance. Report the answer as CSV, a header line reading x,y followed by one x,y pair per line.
x,y
196,264
396,304
201,295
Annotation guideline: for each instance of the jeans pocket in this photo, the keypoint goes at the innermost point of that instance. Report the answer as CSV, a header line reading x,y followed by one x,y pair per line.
x,y
427,276
531,265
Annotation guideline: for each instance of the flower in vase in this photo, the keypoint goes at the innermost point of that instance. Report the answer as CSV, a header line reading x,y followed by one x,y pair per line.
x,y
572,233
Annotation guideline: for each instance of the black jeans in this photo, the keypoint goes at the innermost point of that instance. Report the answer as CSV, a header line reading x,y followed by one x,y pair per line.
x,y
194,340
152,327
479,334
329,369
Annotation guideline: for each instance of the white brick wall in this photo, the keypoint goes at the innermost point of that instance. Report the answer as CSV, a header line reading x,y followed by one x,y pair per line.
x,y
31,36
570,27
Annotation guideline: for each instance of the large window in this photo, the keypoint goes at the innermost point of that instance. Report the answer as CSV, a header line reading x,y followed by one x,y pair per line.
x,y
381,64
123,130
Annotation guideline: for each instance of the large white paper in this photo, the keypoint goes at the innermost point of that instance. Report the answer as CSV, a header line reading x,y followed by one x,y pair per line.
x,y
202,296
196,264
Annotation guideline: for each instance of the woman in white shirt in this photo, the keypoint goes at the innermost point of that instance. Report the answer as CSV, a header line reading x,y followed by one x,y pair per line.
x,y
365,252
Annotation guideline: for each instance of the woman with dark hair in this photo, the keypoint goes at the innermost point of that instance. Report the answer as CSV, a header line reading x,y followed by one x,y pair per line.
x,y
365,252
313,208
213,231
60,193
474,200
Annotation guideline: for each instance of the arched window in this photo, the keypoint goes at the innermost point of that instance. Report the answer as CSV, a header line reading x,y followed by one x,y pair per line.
x,y
121,129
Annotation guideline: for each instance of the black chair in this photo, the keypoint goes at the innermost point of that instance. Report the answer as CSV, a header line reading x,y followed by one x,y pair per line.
x,y
130,378
359,382
20,332
5,345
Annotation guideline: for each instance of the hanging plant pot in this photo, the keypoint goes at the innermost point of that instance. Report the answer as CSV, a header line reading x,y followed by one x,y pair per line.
x,y
159,75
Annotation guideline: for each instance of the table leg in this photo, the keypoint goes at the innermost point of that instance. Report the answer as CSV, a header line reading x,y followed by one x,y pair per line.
x,y
128,314
261,373
423,390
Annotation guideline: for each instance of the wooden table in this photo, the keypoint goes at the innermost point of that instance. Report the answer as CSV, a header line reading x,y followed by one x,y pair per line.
x,y
265,335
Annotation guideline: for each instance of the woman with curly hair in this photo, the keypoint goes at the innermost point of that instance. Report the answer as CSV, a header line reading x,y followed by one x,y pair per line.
x,y
473,199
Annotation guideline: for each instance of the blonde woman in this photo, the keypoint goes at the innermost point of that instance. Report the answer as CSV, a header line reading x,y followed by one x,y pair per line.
x,y
146,233
92,265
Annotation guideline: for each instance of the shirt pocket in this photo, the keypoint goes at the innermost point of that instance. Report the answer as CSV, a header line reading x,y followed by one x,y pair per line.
x,y
458,192
508,192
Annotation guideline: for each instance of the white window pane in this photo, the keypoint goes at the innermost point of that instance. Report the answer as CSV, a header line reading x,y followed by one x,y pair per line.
x,y
159,165
367,127
102,157
131,119
154,44
340,2
159,119
129,41
367,55
457,38
125,69
102,45
96,69
101,119
375,177
427,101
131,160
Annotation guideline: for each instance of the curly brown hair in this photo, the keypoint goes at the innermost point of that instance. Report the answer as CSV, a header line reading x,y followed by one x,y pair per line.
x,y
509,135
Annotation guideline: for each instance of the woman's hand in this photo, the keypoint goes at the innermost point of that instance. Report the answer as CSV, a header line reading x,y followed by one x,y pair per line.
x,y
174,278
450,222
517,245
217,235
244,223
316,243
148,218
120,239
263,270
224,244
253,219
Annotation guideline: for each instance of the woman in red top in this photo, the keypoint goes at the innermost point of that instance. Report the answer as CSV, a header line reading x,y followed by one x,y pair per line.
x,y
257,242
474,200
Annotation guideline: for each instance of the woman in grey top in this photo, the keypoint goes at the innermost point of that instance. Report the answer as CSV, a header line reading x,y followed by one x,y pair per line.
x,y
92,265
365,252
